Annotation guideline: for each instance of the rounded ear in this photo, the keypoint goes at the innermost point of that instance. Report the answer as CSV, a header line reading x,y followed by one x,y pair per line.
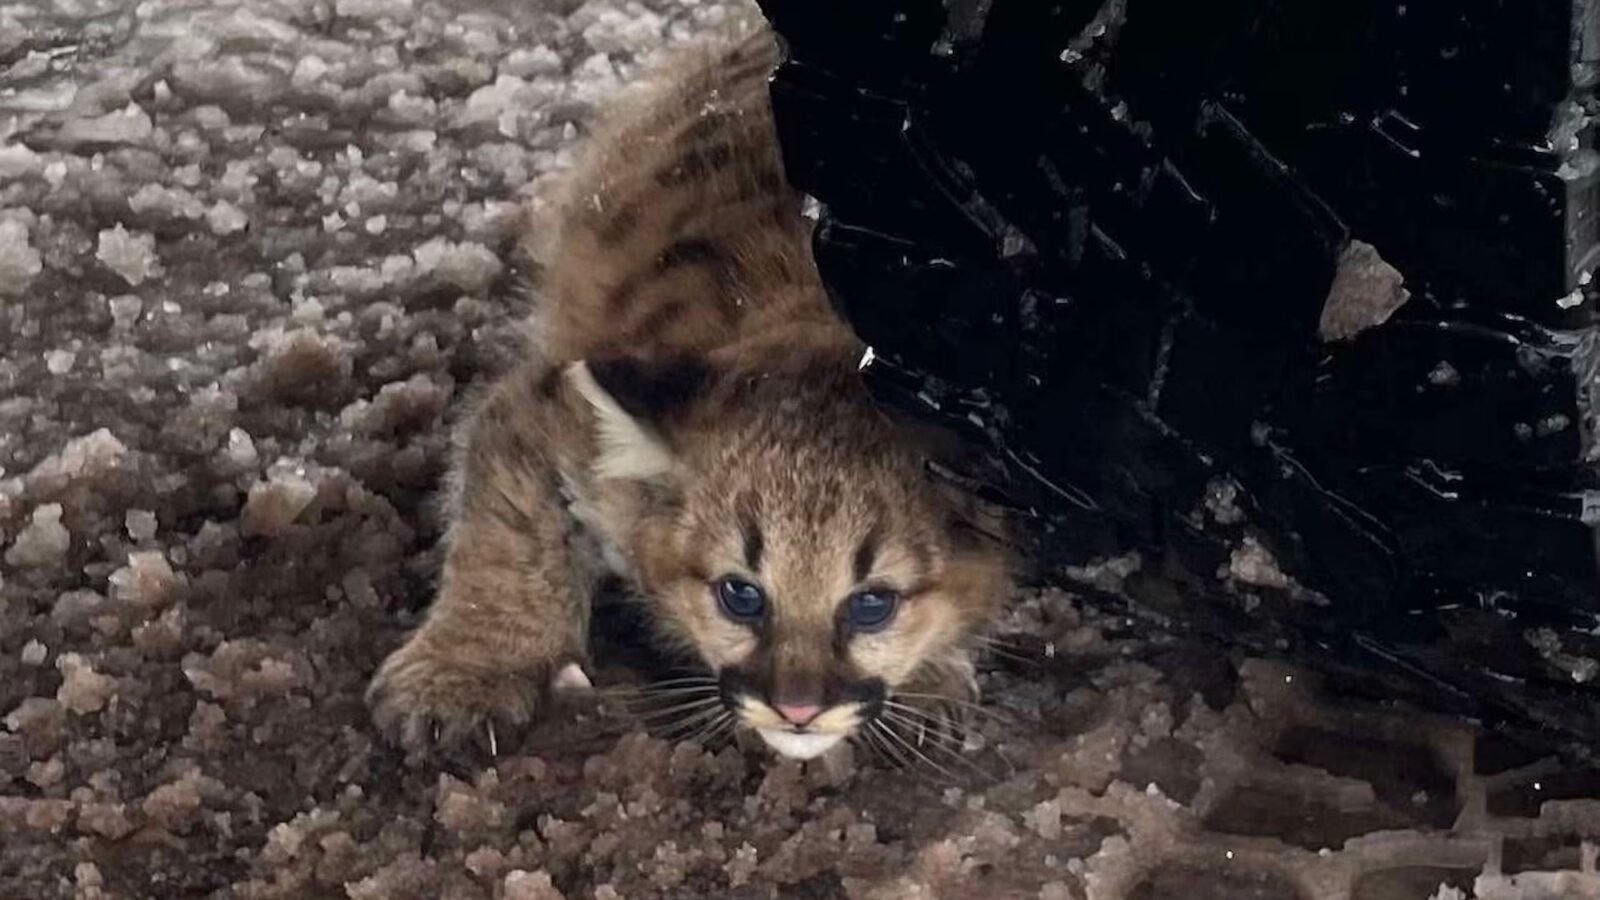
x,y
635,402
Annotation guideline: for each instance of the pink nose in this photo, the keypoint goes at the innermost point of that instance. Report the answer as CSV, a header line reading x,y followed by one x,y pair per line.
x,y
798,713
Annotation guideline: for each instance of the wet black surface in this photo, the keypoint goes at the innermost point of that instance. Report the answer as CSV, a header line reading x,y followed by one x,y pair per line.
x,y
1102,238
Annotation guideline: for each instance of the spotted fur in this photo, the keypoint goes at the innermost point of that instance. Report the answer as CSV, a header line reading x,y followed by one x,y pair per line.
x,y
691,411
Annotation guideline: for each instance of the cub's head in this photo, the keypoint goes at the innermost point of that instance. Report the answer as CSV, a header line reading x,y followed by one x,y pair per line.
x,y
789,537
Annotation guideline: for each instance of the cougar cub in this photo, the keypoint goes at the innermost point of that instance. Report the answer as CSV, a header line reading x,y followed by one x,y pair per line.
x,y
694,422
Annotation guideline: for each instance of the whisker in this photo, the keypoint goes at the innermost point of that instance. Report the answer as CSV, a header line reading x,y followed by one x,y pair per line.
x,y
687,724
687,679
705,732
679,709
928,732
693,679
997,715
894,754
939,721
895,731
652,689
1006,651
939,737
667,727
661,701
996,640
880,747
917,754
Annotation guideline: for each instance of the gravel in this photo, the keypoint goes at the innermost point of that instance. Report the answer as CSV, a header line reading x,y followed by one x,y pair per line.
x,y
252,254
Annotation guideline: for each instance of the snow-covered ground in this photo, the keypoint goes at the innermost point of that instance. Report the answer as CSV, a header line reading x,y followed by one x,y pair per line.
x,y
251,253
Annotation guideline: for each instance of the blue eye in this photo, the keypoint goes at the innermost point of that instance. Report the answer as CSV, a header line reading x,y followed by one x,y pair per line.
x,y
871,610
740,600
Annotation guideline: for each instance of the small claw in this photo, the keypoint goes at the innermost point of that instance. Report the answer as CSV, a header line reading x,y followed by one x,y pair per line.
x,y
494,743
571,678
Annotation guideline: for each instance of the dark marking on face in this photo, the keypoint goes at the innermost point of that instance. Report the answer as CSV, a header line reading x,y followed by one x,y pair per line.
x,y
547,383
742,70
625,290
922,557
866,555
757,186
769,180
662,315
705,127
683,256
826,689
694,165
727,310
718,156
750,532
692,251
679,221
782,214
802,688
618,226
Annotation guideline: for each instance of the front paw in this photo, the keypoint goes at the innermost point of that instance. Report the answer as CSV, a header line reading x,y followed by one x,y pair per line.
x,y
426,699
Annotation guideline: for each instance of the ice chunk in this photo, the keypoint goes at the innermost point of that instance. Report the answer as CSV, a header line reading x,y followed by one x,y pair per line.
x,y
129,125
39,721
19,262
364,191
241,449
468,266
141,524
129,254
485,862
75,609
59,362
523,62
34,653
43,543
1044,819
275,503
125,310
175,202
17,160
1253,563
595,78
399,405
462,809
503,103
412,110
83,690
374,9
226,218
308,71
524,885
82,458
175,803
106,819
616,31
743,866
240,668
147,580
1366,291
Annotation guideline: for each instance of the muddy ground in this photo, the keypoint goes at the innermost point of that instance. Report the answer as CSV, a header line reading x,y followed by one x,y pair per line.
x,y
251,255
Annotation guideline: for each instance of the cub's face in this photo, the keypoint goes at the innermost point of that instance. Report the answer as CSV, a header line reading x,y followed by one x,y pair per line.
x,y
818,589
794,545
